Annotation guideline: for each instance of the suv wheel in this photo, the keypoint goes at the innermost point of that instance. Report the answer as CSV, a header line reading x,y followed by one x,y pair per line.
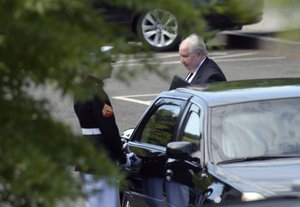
x,y
159,30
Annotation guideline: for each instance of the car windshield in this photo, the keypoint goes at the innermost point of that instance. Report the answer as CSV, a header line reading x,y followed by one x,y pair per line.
x,y
255,129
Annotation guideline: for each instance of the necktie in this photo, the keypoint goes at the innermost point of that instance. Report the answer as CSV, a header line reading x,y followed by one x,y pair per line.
x,y
188,77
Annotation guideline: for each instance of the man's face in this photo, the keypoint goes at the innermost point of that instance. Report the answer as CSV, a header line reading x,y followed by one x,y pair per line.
x,y
106,71
189,60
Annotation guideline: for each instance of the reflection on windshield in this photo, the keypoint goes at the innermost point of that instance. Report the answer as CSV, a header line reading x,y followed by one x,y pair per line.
x,y
256,129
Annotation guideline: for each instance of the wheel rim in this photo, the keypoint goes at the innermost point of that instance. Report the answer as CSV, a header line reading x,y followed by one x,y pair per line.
x,y
159,28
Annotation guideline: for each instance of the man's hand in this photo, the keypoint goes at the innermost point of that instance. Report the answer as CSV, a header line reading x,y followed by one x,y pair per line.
x,y
128,162
136,162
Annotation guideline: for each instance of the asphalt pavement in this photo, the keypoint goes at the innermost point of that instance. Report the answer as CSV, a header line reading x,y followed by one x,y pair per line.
x,y
258,36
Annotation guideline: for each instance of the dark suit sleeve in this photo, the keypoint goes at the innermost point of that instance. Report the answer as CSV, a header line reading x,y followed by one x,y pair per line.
x,y
215,78
105,119
211,72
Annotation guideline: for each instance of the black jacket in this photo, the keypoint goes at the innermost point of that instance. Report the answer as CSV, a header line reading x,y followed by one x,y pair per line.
x,y
208,72
97,112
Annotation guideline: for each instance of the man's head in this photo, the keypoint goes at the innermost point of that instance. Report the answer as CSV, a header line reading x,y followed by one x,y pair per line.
x,y
104,59
192,50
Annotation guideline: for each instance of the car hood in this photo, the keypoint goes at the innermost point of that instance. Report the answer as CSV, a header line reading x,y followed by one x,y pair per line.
x,y
271,177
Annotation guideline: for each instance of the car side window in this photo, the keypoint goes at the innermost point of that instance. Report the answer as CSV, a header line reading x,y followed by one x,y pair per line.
x,y
193,128
161,125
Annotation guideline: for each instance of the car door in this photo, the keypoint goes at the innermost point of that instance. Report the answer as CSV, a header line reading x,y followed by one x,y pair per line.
x,y
167,120
191,129
156,129
186,171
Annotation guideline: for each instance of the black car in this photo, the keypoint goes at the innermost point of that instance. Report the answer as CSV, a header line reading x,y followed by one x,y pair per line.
x,y
230,142
159,29
285,201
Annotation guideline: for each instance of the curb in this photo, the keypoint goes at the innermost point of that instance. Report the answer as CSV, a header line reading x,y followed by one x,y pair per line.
x,y
263,40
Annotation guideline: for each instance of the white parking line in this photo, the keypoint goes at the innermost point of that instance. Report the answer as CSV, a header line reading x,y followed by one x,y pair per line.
x,y
251,59
131,98
220,57
231,59
140,95
235,55
137,61
170,55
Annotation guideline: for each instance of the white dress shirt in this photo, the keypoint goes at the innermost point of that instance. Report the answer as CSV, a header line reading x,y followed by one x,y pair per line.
x,y
189,77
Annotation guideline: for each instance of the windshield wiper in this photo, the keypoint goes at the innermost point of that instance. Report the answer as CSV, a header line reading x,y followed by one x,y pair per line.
x,y
264,157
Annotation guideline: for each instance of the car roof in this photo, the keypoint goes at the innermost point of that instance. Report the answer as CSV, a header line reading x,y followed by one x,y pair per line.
x,y
230,92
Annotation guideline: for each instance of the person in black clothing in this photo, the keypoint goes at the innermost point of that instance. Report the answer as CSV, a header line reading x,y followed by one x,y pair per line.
x,y
202,69
98,124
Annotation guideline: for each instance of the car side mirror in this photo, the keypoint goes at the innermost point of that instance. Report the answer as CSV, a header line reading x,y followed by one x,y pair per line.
x,y
180,150
127,134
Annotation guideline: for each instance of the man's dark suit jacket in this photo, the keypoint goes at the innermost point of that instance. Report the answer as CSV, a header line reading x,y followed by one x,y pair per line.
x,y
208,72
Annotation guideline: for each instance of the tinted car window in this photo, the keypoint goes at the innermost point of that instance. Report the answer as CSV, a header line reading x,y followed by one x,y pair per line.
x,y
160,127
261,128
193,129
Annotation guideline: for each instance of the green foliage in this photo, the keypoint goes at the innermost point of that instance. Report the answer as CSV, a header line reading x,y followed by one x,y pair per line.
x,y
44,41
51,41
47,41
38,156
